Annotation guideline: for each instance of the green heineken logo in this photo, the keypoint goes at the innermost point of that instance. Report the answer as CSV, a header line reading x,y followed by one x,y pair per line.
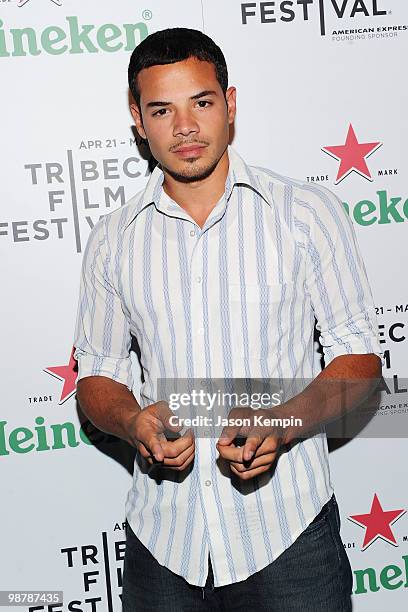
x,y
74,38
382,210
390,577
42,436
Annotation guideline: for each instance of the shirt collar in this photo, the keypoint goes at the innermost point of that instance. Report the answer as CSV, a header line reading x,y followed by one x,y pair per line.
x,y
239,173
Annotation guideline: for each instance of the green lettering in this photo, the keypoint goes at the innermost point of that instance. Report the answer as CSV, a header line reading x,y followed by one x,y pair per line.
x,y
372,580
52,36
359,213
16,440
17,35
389,573
78,38
405,208
3,449
42,443
71,437
107,33
3,45
405,557
346,208
130,29
54,39
386,209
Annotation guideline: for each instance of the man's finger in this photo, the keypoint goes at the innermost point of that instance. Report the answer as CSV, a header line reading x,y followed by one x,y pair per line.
x,y
164,413
173,448
253,441
154,444
179,461
248,474
231,452
228,434
267,459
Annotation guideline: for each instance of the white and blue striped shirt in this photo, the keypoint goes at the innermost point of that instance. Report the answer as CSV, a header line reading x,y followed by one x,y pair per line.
x,y
235,299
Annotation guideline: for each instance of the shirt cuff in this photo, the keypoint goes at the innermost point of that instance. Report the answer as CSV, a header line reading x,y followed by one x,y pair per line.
x,y
354,345
117,369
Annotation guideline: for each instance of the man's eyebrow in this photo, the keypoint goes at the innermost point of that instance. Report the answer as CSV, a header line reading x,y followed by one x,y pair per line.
x,y
206,92
157,103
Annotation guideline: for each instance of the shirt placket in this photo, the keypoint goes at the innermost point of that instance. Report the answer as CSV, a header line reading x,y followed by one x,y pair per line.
x,y
205,441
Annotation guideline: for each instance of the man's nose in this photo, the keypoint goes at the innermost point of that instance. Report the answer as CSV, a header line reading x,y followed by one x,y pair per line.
x,y
185,124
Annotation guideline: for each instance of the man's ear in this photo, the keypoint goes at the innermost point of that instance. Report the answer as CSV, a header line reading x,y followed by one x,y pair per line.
x,y
231,98
137,118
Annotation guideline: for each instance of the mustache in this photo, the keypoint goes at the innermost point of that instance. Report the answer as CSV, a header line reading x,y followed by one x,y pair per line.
x,y
183,143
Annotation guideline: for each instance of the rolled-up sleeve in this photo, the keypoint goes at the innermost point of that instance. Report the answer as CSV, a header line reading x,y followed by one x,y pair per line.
x,y
102,334
336,278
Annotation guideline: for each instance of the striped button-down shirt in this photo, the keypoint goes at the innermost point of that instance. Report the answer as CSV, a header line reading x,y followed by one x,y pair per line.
x,y
236,298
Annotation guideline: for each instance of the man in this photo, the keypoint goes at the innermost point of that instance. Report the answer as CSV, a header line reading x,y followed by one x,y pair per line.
x,y
218,269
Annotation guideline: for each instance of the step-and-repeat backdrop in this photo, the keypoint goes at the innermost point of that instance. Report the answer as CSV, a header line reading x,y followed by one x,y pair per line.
x,y
322,97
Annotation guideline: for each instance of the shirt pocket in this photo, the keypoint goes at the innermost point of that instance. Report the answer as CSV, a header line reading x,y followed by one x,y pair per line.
x,y
260,317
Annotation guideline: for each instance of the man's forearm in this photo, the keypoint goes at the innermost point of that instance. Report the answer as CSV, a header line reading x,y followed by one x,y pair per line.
x,y
339,388
109,405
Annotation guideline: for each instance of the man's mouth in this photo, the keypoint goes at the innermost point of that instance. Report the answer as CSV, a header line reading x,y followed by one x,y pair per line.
x,y
189,150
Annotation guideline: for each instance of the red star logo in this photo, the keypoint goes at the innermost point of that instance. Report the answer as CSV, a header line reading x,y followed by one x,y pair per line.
x,y
377,523
352,156
68,374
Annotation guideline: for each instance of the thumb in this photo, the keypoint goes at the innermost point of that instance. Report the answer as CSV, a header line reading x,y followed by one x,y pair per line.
x,y
168,418
228,433
155,447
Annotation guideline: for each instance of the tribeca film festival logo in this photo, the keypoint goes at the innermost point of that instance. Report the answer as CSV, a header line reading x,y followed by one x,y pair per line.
x,y
23,2
288,11
72,196
377,523
99,570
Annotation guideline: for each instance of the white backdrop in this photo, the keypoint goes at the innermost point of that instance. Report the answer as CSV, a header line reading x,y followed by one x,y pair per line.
x,y
69,157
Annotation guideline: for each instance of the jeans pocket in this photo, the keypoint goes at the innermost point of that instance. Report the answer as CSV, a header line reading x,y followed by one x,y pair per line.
x,y
336,512
321,519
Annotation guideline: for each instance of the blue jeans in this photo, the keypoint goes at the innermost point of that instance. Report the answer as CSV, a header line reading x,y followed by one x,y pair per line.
x,y
312,575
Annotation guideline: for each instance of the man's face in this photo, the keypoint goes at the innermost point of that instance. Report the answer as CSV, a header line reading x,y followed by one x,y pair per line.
x,y
185,117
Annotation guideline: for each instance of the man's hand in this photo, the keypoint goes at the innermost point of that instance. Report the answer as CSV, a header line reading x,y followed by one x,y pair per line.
x,y
261,447
146,432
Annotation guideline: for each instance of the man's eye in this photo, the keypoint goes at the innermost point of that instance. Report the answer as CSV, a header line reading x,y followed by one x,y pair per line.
x,y
160,112
204,103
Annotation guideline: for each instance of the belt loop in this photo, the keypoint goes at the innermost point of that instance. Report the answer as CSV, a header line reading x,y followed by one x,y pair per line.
x,y
202,588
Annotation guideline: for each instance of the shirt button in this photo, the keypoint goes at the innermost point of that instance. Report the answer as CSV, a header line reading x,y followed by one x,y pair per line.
x,y
207,483
192,233
200,331
198,279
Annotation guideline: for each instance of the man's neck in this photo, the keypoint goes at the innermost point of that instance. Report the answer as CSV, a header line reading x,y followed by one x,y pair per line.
x,y
200,197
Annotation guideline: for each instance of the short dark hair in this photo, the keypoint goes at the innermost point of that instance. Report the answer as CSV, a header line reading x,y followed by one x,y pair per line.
x,y
175,45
